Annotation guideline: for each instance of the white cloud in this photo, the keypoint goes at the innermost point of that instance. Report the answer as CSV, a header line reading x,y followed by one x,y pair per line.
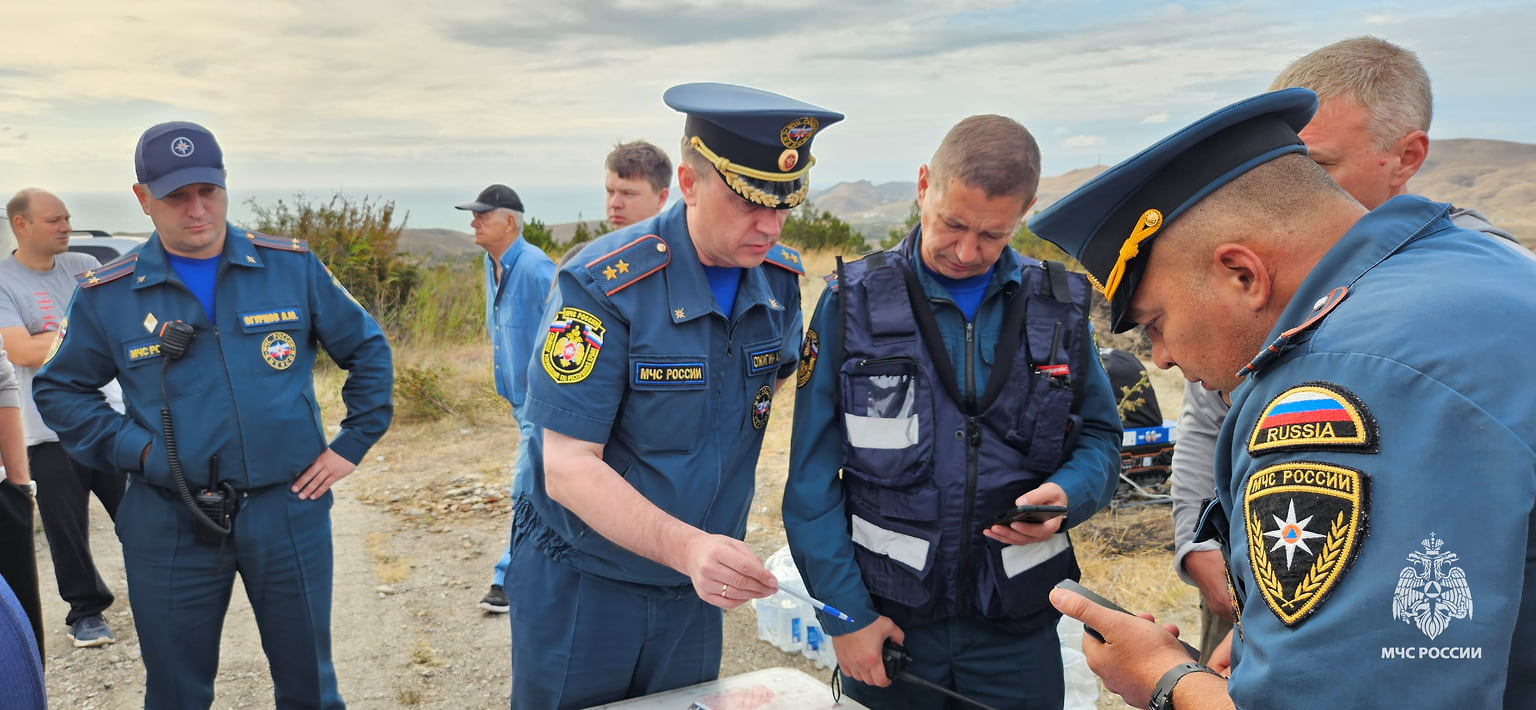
x,y
1084,142
1156,119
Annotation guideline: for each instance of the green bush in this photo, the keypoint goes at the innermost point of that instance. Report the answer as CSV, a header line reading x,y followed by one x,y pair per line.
x,y
894,237
357,239
806,228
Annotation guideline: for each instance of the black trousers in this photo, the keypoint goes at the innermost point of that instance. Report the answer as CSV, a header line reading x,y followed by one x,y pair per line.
x,y
64,490
18,565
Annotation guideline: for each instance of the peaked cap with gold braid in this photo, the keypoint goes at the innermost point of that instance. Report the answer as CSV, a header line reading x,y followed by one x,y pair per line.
x,y
759,141
1109,222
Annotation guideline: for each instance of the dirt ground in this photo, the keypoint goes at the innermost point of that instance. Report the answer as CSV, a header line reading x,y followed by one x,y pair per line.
x,y
417,530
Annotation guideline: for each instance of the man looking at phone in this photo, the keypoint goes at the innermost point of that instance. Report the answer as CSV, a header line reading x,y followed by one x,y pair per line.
x,y
961,380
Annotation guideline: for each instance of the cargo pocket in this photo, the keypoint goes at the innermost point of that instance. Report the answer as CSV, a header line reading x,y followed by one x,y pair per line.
x,y
1044,426
895,559
1018,578
664,410
887,409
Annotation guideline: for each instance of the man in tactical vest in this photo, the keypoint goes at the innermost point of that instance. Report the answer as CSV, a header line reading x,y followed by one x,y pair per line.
x,y
962,381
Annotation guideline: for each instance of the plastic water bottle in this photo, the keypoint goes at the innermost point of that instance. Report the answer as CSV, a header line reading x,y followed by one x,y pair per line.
x,y
767,611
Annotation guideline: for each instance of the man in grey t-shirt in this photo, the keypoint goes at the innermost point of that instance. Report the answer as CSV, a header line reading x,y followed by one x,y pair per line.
x,y
36,284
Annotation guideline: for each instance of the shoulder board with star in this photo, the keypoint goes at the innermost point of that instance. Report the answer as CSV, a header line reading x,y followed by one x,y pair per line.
x,y
111,271
786,258
282,243
831,280
618,269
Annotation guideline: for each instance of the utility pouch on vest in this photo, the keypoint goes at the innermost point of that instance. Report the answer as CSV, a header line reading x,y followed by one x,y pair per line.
x,y
887,407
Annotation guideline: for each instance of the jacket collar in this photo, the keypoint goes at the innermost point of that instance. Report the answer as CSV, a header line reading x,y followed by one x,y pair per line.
x,y
153,266
1377,235
688,293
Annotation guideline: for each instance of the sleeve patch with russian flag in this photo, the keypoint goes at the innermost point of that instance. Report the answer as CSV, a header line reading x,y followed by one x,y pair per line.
x,y
1315,415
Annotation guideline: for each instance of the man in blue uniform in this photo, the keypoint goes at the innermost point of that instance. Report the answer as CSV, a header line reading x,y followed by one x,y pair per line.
x,y
1376,479
950,379
667,340
1370,135
517,278
212,332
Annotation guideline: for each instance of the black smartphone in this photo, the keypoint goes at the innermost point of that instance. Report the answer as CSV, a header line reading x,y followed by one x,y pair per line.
x,y
1073,586
1027,514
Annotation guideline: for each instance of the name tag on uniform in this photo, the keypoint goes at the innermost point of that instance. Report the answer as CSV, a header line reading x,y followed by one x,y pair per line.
x,y
656,374
763,358
270,319
142,351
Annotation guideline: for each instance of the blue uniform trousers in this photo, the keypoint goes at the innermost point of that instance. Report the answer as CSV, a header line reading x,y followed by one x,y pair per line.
x,y
179,591
977,660
580,640
528,435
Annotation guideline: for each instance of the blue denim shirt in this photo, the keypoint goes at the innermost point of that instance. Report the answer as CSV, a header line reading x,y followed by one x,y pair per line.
x,y
514,315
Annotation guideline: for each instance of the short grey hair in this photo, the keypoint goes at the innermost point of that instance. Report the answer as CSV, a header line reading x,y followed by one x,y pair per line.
x,y
1387,80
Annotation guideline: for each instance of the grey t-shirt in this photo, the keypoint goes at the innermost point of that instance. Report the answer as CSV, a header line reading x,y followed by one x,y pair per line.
x,y
38,301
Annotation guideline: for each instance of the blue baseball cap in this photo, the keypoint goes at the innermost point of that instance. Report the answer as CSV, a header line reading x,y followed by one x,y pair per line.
x,y
1108,222
759,141
175,154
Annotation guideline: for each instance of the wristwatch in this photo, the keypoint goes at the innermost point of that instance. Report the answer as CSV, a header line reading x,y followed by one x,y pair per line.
x,y
1162,695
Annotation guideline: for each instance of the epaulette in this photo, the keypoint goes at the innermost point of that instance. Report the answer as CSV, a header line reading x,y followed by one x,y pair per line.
x,y
616,270
831,280
1288,339
787,258
270,242
111,271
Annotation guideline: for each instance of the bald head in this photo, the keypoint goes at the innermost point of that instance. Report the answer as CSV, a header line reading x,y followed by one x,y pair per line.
x,y
40,222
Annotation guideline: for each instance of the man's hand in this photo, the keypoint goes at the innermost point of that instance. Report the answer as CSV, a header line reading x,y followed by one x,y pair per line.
x,y
328,468
1209,570
859,654
725,572
1135,652
1025,533
1221,656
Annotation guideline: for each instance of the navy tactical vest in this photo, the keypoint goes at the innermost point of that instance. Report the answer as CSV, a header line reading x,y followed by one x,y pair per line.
x,y
925,465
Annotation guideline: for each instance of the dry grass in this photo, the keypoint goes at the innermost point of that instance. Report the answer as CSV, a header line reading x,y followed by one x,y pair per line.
x,y
389,568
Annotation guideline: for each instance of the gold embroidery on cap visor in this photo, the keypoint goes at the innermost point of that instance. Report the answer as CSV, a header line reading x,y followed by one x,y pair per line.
x,y
733,174
1150,222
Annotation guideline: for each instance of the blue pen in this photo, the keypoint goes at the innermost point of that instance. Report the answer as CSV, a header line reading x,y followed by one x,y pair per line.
x,y
802,596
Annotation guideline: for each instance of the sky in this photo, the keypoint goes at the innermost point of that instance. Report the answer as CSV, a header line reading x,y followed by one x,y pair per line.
x,y
380,94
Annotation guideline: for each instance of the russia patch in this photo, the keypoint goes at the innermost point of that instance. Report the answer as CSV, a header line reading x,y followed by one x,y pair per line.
x,y
810,347
1304,525
1315,415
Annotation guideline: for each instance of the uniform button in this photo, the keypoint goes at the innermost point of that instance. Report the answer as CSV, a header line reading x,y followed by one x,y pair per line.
x,y
661,247
1320,303
959,434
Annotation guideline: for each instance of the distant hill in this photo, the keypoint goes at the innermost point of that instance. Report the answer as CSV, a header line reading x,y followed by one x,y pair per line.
x,y
1496,178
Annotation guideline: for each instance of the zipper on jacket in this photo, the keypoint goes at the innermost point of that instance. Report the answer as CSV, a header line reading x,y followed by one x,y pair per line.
x,y
234,402
972,446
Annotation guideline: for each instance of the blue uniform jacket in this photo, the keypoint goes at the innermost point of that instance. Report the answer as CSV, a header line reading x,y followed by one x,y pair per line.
x,y
640,359
513,310
1379,473
243,391
814,515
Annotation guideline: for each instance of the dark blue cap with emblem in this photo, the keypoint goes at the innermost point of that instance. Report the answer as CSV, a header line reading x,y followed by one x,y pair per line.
x,y
759,141
1108,223
176,154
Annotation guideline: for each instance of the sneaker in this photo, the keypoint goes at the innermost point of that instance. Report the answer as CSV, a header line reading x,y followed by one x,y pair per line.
x,y
495,601
90,631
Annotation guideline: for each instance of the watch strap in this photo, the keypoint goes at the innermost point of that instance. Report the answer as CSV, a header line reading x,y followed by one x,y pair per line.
x,y
1162,695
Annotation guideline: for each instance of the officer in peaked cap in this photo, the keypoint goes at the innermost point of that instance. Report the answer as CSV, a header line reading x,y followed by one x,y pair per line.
x,y
1352,346
667,340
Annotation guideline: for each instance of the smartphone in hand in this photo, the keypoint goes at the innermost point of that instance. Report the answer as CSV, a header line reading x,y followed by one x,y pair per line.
x,y
1027,514
1073,586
